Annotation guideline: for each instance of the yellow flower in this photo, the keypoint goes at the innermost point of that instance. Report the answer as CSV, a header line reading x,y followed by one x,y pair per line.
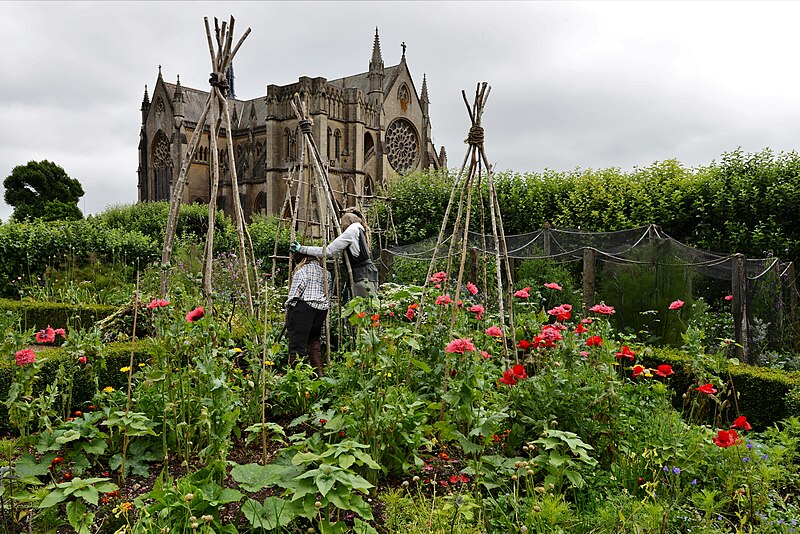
x,y
388,375
108,389
141,365
126,506
308,394
124,369
269,362
237,349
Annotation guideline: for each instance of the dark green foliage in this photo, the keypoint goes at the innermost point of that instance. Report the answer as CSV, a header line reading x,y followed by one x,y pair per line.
x,y
39,315
42,190
762,391
744,203
117,356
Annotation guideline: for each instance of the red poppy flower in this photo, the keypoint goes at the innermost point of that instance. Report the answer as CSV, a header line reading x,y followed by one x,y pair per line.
x,y
486,355
523,293
409,314
376,317
726,438
741,423
664,370
707,388
523,344
413,306
729,297
508,378
580,329
519,371
60,332
594,340
196,314
637,370
602,309
323,421
548,337
472,288
82,359
553,285
441,300
626,352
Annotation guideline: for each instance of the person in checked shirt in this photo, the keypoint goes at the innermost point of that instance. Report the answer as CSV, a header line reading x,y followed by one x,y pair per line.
x,y
307,307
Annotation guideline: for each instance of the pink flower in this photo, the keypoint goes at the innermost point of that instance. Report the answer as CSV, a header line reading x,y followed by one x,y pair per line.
x,y
439,277
48,335
494,331
562,313
472,288
553,285
196,314
486,355
602,309
460,346
729,297
410,314
82,359
478,310
441,300
548,337
60,332
676,305
523,293
157,303
25,357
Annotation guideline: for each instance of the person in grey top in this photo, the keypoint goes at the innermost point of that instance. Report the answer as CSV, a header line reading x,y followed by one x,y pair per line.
x,y
353,241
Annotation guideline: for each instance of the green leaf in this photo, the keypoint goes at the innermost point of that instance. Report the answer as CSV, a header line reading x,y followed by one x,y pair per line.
x,y
274,513
362,527
346,460
27,466
53,498
69,435
78,517
575,478
254,477
358,505
325,483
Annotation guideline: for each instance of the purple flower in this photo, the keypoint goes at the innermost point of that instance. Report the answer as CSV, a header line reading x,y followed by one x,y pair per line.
x,y
764,457
746,459
694,482
676,470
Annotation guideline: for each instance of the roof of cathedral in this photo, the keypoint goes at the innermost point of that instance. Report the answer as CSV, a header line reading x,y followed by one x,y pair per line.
x,y
361,81
195,102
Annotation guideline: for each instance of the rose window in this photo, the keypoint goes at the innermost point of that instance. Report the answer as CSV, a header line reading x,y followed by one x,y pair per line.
x,y
402,145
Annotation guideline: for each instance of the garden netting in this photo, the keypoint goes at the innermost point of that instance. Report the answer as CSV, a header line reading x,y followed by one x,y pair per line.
x,y
640,272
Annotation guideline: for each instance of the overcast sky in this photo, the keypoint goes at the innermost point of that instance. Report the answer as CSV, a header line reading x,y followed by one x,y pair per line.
x,y
574,84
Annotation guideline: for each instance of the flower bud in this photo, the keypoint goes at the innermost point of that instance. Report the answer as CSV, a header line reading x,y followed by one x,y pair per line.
x,y
188,497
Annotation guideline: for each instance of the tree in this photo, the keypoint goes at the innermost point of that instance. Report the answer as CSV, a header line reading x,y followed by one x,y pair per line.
x,y
42,190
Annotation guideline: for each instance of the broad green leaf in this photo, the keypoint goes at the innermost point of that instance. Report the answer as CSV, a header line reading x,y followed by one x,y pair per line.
x,y
346,460
325,483
78,517
361,527
69,435
89,494
254,477
53,498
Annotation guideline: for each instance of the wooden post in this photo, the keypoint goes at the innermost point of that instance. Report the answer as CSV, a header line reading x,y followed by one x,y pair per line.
x,y
546,238
791,287
385,267
588,277
739,291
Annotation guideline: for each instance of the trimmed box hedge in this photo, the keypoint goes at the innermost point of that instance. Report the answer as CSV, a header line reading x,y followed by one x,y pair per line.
x,y
39,315
762,392
117,355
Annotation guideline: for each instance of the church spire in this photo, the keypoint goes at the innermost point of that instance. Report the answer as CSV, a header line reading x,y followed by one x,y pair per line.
x,y
424,98
178,100
376,63
145,105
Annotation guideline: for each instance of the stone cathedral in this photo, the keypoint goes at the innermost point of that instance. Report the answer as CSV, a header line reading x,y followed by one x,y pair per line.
x,y
367,127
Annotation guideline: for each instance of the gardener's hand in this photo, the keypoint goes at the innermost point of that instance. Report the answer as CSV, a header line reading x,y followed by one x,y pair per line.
x,y
295,246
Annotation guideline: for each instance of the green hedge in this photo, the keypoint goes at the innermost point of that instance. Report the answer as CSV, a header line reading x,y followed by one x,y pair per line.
x,y
39,315
743,203
762,391
117,355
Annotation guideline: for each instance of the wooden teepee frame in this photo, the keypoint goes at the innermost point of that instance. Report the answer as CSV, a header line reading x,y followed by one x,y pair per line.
x,y
217,107
469,176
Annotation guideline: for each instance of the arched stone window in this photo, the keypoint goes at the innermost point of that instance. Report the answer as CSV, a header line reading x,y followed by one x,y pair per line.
x,y
369,186
337,143
287,144
404,96
369,146
328,145
162,166
260,204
